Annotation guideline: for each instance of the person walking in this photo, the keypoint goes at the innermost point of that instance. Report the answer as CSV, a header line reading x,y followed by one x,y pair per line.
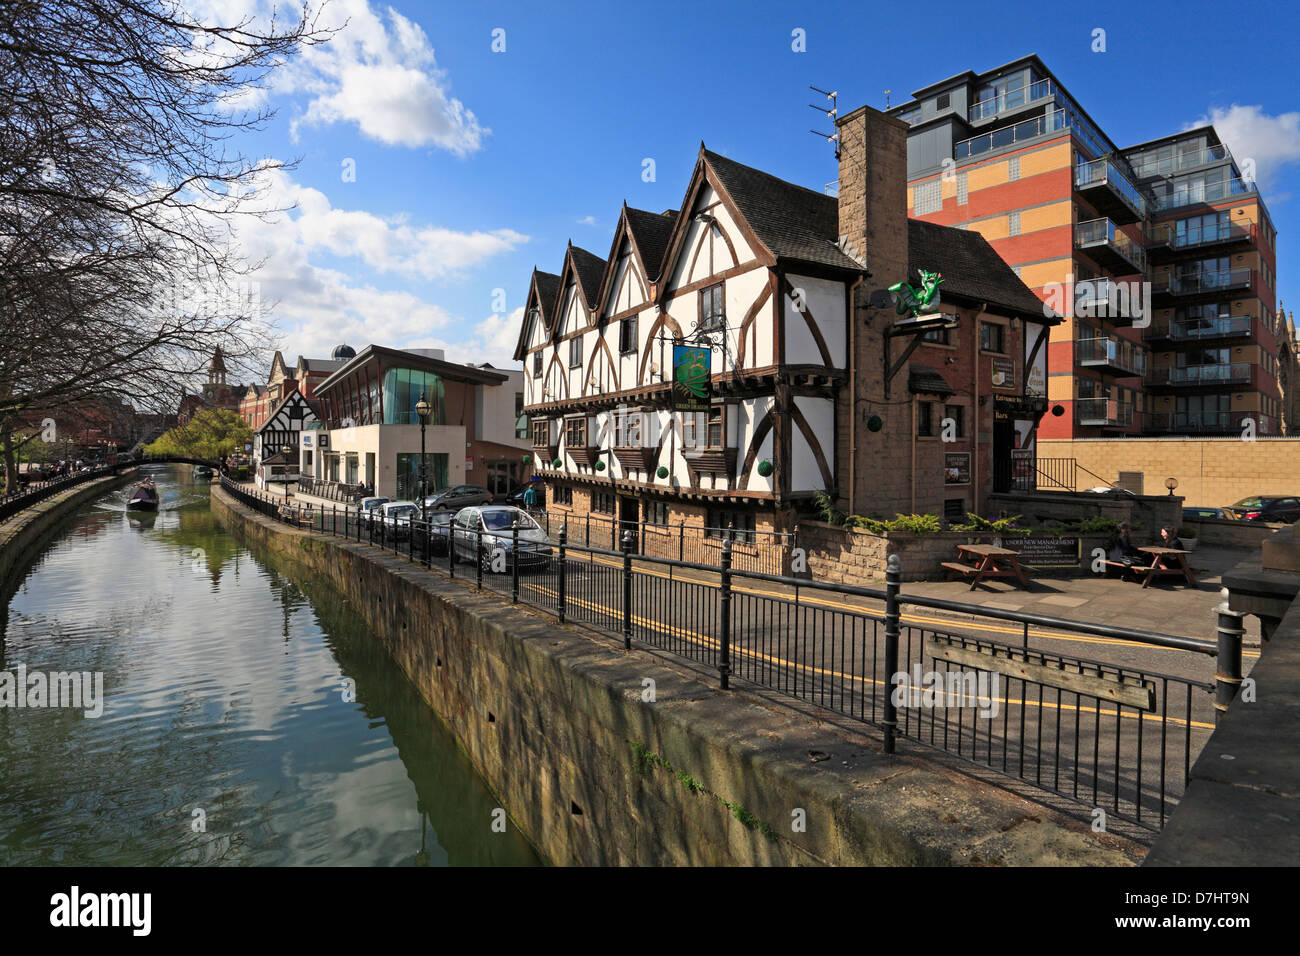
x,y
530,497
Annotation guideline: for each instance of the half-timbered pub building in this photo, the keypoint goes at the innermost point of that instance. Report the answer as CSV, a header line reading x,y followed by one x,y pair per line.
x,y
729,360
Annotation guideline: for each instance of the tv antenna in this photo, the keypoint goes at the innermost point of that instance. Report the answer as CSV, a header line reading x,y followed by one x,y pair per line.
x,y
887,92
831,114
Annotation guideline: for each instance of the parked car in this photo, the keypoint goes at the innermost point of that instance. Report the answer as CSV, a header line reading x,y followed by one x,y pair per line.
x,y
1195,513
461,496
396,518
1265,508
493,524
516,497
368,508
439,532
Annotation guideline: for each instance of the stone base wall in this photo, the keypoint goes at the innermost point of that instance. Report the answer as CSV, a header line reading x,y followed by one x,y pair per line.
x,y
557,721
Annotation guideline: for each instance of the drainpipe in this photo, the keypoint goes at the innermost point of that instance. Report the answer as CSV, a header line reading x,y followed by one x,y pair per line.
x,y
975,445
914,454
853,396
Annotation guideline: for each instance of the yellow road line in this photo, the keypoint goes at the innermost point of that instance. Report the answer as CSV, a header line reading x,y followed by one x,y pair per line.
x,y
701,639
1015,631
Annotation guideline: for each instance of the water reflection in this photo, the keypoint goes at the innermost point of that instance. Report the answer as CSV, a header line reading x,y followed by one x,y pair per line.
x,y
228,685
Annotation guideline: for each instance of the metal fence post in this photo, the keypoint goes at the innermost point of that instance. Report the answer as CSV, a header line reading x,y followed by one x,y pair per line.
x,y
514,561
560,572
451,549
478,556
627,590
1227,675
724,617
893,575
681,540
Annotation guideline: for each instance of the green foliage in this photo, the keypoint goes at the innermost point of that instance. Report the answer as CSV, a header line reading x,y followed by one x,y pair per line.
x,y
1098,525
690,782
1002,526
1187,531
826,507
211,433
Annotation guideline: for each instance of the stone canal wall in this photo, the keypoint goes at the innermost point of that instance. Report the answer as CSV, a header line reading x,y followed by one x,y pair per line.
x,y
23,533
554,719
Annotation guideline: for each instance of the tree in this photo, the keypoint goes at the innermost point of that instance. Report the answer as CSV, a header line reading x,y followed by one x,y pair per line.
x,y
119,189
211,434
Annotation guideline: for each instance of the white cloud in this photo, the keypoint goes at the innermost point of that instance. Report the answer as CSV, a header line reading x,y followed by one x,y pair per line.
x,y
587,221
380,73
1251,134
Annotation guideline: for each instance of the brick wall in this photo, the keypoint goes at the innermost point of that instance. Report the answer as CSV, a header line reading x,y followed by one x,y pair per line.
x,y
1211,472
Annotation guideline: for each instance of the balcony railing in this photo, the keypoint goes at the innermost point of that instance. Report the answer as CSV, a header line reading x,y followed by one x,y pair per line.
x,y
1205,193
1110,352
1195,330
1104,411
1010,100
1120,302
1201,282
1167,234
1217,374
1104,171
1206,421
1009,135
1178,162
1099,234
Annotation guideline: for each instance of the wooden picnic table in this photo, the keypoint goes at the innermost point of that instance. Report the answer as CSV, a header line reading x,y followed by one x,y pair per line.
x,y
1159,567
983,561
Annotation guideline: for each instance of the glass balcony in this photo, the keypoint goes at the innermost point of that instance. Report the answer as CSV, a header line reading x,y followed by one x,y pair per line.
x,y
1110,191
1112,249
1204,282
1103,411
1236,373
1110,353
1200,193
1148,164
1010,100
1122,303
1208,422
1198,330
1009,135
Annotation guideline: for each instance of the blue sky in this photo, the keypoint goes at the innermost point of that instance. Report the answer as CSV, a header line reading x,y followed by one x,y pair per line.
x,y
472,165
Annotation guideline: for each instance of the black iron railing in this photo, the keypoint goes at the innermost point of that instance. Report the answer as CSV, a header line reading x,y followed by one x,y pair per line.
x,y
1116,737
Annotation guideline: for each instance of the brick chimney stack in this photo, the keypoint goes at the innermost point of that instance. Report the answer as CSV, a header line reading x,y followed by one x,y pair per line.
x,y
874,467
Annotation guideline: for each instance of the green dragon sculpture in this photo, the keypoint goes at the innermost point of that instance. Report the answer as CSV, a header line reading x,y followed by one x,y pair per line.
x,y
908,298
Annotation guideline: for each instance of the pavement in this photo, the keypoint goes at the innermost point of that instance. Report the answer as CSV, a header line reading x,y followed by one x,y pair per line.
x,y
1169,608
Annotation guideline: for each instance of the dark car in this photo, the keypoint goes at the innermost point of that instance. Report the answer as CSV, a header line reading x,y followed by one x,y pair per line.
x,y
1265,508
493,526
1194,514
461,496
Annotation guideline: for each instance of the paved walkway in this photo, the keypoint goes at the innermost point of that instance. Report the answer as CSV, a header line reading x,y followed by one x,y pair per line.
x,y
1167,608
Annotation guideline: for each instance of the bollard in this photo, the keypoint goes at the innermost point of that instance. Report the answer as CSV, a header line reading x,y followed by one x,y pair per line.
x,y
514,561
893,575
1227,673
560,572
627,590
724,617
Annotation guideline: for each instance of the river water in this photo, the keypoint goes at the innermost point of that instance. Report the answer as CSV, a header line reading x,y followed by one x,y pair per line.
x,y
248,719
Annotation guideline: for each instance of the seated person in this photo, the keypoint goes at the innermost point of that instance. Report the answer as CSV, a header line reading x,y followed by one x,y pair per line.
x,y
1124,550
1169,539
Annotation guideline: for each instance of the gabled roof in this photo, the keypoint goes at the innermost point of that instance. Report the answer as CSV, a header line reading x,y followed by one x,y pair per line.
x,y
590,269
794,223
650,233
972,270
544,290
294,396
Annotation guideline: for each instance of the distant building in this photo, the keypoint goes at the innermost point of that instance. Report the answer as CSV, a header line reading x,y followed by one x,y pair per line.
x,y
259,399
216,393
371,433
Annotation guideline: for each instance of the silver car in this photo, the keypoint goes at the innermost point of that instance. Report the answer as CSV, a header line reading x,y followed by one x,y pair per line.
x,y
396,516
494,525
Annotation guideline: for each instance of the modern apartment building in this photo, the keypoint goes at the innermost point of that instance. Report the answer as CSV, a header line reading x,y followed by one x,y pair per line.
x,y
1161,256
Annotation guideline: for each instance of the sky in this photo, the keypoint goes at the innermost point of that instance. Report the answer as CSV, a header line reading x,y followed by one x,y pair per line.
x,y
444,149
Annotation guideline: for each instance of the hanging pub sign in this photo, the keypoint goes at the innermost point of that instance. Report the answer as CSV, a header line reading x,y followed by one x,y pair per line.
x,y
691,369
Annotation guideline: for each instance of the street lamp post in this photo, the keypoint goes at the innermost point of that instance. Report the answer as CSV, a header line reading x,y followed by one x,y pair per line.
x,y
422,409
